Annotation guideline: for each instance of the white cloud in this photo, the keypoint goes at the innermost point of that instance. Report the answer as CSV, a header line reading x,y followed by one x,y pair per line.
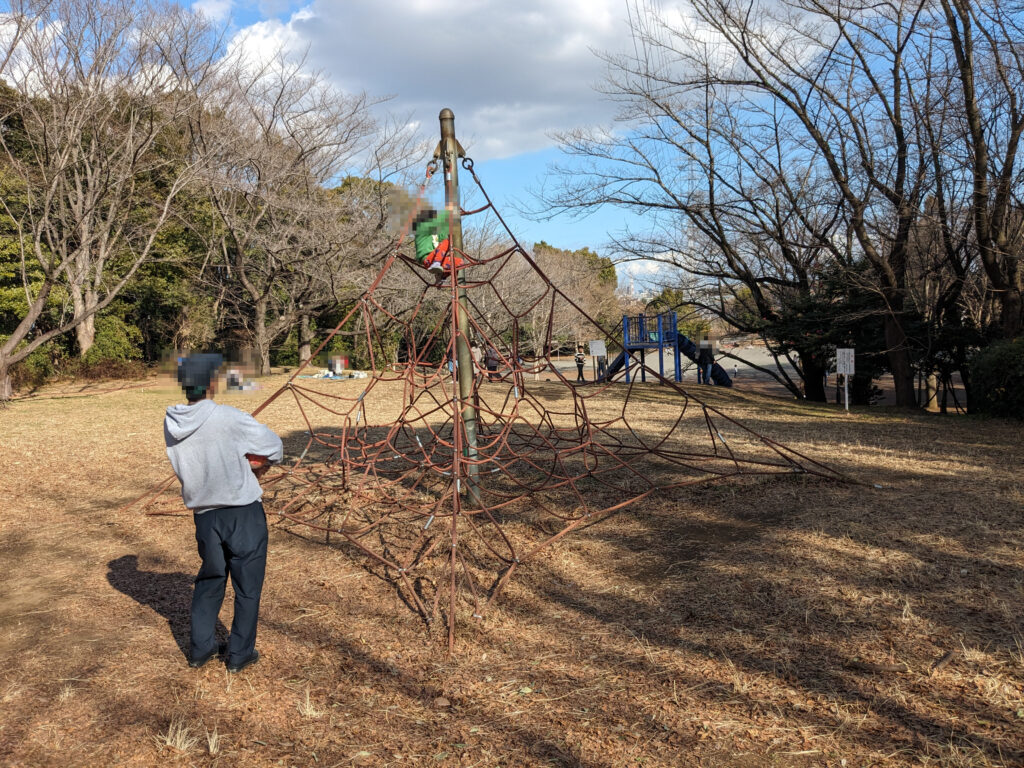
x,y
511,72
644,275
259,42
214,10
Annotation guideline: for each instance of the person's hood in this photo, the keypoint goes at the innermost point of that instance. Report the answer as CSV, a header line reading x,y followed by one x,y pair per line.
x,y
183,420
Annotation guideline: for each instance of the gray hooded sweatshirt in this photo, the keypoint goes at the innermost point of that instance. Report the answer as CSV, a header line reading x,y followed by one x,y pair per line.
x,y
207,443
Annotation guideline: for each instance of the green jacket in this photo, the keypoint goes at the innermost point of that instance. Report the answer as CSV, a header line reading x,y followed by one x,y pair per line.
x,y
430,233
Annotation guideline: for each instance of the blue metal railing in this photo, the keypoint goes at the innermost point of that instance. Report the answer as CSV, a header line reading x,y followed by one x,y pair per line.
x,y
649,330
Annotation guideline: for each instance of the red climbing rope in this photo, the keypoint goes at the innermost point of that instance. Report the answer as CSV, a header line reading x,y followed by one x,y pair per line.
x,y
549,457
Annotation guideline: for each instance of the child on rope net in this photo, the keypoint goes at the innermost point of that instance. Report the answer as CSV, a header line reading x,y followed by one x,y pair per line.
x,y
433,244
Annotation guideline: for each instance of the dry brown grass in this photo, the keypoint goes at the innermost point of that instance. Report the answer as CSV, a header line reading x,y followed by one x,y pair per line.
x,y
787,622
178,736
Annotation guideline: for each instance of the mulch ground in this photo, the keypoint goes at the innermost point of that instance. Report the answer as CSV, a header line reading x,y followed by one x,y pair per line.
x,y
785,622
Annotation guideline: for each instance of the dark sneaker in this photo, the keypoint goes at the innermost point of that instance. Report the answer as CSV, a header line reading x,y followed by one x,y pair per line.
x,y
243,664
199,661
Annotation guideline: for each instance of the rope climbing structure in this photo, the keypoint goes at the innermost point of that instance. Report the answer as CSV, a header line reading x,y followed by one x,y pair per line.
x,y
468,465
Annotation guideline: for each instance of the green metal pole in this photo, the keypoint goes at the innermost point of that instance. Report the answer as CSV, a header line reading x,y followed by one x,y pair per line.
x,y
450,154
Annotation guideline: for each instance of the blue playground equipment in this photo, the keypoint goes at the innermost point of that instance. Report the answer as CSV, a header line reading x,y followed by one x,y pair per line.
x,y
659,334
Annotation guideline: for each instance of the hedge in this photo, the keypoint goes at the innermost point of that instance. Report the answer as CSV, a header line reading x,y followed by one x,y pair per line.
x,y
997,379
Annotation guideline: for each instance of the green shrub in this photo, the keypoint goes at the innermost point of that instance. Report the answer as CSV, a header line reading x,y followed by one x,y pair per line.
x,y
35,370
115,340
997,379
338,346
286,353
109,369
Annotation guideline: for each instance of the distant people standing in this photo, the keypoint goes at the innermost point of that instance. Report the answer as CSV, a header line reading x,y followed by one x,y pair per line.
x,y
491,360
580,359
705,359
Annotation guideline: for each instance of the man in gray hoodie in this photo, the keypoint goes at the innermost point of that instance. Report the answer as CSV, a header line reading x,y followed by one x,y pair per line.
x,y
207,444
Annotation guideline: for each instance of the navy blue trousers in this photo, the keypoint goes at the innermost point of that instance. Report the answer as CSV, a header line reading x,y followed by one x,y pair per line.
x,y
232,541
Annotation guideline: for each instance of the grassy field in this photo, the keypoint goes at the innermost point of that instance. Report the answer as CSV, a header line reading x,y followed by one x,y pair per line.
x,y
790,622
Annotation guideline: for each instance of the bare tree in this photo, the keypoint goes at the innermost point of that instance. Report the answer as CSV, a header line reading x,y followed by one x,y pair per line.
x,y
517,298
736,206
842,79
285,241
986,41
94,147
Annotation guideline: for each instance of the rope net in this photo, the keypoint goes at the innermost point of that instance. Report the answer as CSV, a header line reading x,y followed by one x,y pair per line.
x,y
449,522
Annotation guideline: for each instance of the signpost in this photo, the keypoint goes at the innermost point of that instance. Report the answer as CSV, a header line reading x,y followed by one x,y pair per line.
x,y
844,366
599,355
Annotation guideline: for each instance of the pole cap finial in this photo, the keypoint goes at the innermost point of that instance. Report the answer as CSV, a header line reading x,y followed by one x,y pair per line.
x,y
446,114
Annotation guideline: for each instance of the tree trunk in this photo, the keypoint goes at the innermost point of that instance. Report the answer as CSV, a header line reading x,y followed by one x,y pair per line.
x,y
931,392
263,350
965,378
861,389
305,339
1011,313
261,336
9,348
899,362
6,387
85,331
814,377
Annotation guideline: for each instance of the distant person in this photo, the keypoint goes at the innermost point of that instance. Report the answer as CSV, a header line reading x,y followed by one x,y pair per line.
x,y
210,446
580,359
491,361
705,359
735,370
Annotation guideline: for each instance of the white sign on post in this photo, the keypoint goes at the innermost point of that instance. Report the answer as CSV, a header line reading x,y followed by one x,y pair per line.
x,y
844,366
844,361
597,348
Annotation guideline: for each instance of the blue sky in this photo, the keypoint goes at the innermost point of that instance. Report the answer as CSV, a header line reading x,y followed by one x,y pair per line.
x,y
511,180
512,72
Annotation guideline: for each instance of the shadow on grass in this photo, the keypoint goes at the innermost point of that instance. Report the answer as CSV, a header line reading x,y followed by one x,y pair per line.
x,y
169,594
744,557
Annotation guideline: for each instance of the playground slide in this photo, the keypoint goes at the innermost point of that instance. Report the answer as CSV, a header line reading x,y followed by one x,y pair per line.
x,y
615,365
720,377
718,374
689,349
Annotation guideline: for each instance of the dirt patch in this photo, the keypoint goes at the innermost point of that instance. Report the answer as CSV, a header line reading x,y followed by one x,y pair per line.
x,y
786,622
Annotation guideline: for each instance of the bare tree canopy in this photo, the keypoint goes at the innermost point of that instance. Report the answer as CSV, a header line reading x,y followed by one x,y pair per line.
x,y
296,172
95,109
770,143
